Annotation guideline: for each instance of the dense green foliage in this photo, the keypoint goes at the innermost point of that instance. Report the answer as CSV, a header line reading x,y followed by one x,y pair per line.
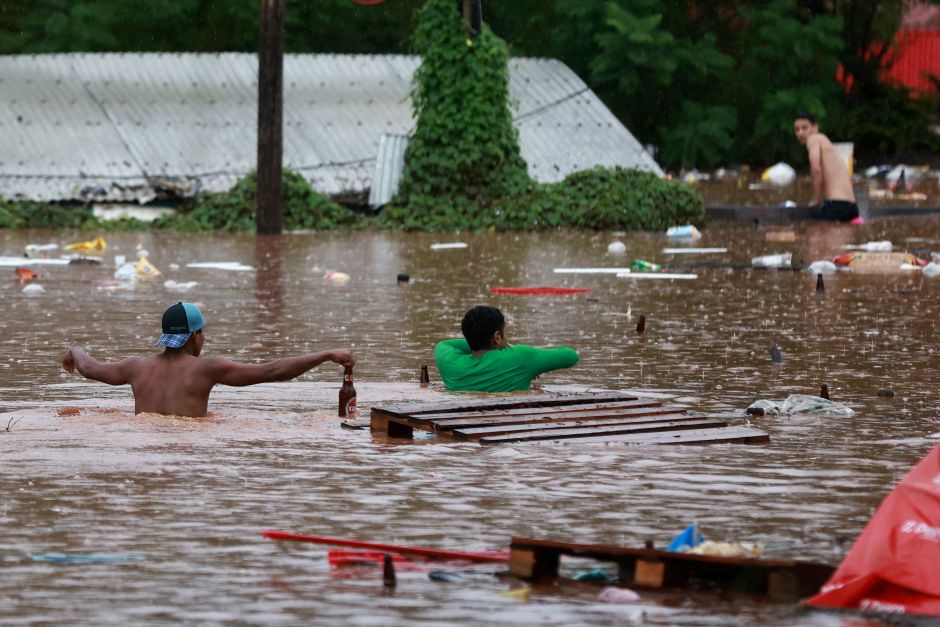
x,y
463,168
39,215
234,210
598,199
465,147
708,82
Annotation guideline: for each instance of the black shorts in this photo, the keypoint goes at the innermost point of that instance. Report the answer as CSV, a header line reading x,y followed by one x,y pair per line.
x,y
837,210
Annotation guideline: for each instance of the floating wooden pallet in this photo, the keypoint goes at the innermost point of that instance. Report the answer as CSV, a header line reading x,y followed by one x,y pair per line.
x,y
596,417
777,579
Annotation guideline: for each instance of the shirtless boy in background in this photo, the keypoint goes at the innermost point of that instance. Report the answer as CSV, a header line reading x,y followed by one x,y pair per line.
x,y
833,197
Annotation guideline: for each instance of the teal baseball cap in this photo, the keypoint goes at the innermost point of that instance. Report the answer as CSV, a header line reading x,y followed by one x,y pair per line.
x,y
179,322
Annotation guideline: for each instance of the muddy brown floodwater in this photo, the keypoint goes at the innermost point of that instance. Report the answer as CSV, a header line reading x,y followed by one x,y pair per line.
x,y
188,497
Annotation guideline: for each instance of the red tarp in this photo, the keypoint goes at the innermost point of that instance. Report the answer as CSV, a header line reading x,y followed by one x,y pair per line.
x,y
894,566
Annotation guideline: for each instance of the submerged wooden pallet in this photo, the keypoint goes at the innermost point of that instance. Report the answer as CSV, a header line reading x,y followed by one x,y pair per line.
x,y
595,417
777,579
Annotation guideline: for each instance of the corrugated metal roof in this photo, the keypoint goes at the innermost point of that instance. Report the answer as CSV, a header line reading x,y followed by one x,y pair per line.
x,y
125,126
389,165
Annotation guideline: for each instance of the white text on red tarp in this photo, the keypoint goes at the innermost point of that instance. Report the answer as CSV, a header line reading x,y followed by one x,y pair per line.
x,y
873,605
923,530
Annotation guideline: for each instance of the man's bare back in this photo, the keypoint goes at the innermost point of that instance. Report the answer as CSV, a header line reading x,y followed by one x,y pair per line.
x,y
830,175
178,381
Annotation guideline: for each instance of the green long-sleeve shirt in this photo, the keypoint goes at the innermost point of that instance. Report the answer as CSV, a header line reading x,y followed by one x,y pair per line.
x,y
505,370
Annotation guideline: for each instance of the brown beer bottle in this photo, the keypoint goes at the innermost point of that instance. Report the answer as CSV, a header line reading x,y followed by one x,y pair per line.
x,y
347,395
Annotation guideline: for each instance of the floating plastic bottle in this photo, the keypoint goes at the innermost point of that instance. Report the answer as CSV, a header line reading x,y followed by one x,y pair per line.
x,y
773,261
641,265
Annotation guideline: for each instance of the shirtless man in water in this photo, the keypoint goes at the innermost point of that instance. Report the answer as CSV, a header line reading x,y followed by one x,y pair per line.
x,y
178,381
833,197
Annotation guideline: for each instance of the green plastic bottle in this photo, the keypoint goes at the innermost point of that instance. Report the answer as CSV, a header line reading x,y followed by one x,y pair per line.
x,y
641,265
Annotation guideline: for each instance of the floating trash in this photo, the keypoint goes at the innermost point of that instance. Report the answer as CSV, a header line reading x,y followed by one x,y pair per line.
x,y
642,265
179,286
591,270
932,270
220,265
685,231
751,550
616,248
336,277
883,246
18,261
694,251
94,247
448,246
689,538
33,289
772,261
822,266
25,274
613,594
39,250
801,404
88,558
146,269
780,174
657,275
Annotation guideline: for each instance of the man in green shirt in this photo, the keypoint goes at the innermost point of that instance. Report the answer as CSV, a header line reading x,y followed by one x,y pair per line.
x,y
485,362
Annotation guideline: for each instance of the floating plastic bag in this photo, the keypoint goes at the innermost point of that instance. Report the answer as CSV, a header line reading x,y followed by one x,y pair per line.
x,y
39,250
822,267
932,269
803,404
613,594
126,272
686,540
780,174
146,269
94,247
617,248
33,289
751,550
685,231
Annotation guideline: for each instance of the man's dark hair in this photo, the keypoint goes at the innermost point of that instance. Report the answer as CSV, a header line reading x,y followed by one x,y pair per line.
x,y
479,324
804,115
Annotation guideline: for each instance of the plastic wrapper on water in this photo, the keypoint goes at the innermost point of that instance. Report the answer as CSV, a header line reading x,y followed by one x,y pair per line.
x,y
804,405
823,266
932,270
780,174
613,594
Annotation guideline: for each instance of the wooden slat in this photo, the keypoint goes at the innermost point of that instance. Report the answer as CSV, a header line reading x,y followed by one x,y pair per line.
x,y
593,432
779,579
507,402
471,433
546,416
736,435
525,411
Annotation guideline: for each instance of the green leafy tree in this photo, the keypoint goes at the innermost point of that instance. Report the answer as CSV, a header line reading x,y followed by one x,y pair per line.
x,y
465,148
787,64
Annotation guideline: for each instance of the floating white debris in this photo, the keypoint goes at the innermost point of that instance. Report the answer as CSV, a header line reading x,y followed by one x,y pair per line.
x,y
883,246
694,251
591,270
179,286
336,277
221,265
448,246
36,250
617,247
33,289
19,261
656,275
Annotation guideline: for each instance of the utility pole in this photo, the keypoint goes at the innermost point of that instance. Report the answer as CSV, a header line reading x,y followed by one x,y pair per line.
x,y
269,213
472,11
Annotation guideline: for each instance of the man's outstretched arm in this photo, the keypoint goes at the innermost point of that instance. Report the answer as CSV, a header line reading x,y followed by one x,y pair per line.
x,y
233,373
112,373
